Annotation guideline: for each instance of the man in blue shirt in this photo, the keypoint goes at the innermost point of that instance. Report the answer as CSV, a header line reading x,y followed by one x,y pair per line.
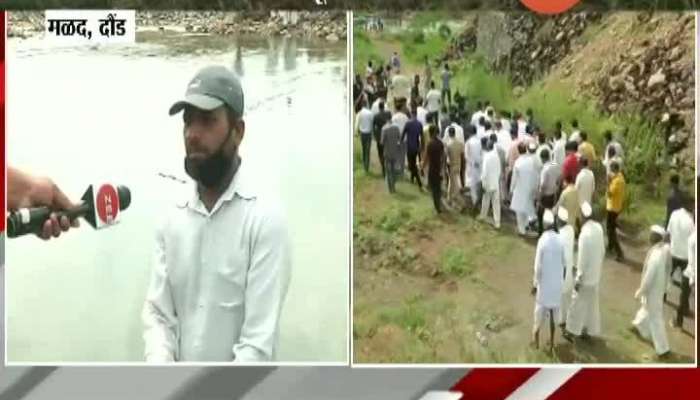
x,y
413,135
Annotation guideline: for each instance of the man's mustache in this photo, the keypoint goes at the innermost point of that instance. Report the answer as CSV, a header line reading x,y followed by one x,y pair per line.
x,y
198,150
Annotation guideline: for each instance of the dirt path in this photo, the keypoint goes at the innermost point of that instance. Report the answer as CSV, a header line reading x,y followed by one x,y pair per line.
x,y
409,310
447,289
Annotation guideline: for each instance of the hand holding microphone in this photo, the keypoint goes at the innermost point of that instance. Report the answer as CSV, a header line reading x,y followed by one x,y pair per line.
x,y
26,191
38,206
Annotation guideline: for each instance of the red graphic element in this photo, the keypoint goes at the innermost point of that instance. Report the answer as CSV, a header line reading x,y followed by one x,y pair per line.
x,y
653,383
549,6
588,383
107,204
492,384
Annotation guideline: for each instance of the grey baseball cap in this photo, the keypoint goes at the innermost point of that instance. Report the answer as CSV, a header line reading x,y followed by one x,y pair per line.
x,y
212,87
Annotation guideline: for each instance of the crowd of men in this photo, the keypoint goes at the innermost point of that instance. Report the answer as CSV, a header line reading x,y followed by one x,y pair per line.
x,y
488,160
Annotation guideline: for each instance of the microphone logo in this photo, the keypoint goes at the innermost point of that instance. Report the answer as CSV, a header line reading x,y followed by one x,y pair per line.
x,y
107,204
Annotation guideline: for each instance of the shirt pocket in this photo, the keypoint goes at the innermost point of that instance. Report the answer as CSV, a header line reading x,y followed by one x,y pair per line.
x,y
231,276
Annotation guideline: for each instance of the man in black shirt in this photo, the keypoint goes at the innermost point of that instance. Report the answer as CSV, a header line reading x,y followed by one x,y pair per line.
x,y
357,92
435,161
415,91
380,119
676,198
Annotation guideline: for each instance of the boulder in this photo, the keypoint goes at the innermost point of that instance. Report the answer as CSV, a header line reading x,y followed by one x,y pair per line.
x,y
656,79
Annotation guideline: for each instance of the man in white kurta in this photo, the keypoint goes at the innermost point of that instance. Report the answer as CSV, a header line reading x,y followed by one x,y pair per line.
x,y
521,124
473,157
691,271
585,182
523,189
548,278
459,132
584,312
490,182
478,114
503,134
649,320
559,148
567,235
680,227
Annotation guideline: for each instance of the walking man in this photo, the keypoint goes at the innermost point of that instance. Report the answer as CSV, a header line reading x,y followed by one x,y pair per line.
x,y
455,155
413,136
615,196
680,228
568,238
649,320
363,125
523,188
491,182
549,184
584,312
435,162
548,279
391,142
381,118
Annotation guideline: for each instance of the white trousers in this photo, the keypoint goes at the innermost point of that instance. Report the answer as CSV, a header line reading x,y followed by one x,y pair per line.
x,y
492,198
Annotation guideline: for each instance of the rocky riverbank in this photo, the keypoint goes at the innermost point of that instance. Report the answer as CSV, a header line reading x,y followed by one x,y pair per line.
x,y
624,61
328,25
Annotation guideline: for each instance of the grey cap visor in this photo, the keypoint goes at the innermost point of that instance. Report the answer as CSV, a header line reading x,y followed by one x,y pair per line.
x,y
200,101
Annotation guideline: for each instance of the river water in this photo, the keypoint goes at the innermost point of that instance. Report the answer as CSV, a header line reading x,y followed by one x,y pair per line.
x,y
84,115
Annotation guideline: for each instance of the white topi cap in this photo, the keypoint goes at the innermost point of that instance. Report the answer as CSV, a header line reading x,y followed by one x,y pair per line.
x,y
532,146
548,217
658,229
563,214
586,209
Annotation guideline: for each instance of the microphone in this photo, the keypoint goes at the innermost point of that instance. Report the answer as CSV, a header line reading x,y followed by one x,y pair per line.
x,y
100,210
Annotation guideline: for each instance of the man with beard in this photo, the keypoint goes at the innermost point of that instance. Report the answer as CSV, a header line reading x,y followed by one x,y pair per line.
x,y
221,263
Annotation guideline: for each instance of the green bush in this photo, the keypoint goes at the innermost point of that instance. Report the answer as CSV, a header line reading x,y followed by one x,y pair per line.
x,y
364,50
454,261
410,316
444,31
415,46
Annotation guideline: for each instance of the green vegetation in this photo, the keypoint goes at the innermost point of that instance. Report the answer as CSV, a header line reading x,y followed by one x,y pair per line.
x,y
455,262
552,102
417,44
410,316
364,50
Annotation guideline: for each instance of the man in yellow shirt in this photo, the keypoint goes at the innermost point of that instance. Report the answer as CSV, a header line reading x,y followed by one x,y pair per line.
x,y
570,200
615,198
587,150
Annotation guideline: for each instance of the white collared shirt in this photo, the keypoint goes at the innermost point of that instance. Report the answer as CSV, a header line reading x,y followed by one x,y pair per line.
x,y
363,121
219,280
680,227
